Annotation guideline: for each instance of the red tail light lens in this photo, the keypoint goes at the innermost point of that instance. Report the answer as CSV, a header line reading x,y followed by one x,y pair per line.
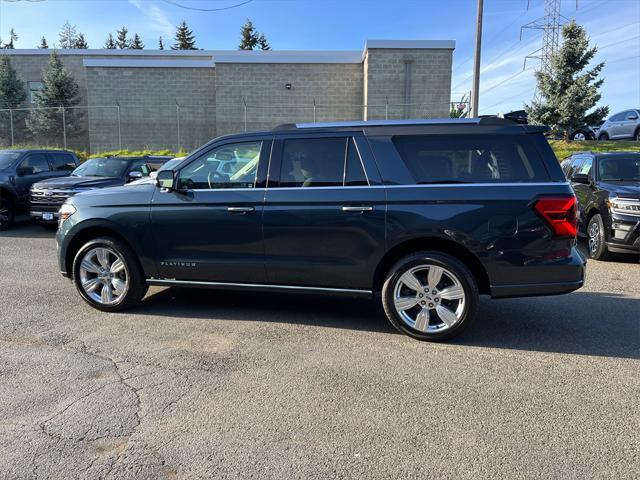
x,y
561,213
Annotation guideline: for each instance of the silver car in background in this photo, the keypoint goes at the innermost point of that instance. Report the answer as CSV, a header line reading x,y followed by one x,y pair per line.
x,y
621,125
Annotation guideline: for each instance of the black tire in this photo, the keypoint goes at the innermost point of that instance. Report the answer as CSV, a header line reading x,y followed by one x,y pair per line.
x,y
636,135
581,134
7,213
468,306
603,137
137,286
596,239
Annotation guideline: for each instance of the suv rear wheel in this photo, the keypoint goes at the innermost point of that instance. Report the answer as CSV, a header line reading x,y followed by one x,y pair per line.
x,y
596,239
6,213
108,276
603,136
430,296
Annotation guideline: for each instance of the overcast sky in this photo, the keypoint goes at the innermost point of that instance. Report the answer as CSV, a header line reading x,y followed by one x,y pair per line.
x,y
613,25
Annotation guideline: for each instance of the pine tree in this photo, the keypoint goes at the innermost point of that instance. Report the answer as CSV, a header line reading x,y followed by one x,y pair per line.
x,y
160,44
12,94
122,41
12,39
59,89
43,43
263,44
249,37
80,42
68,36
185,40
568,91
109,43
136,43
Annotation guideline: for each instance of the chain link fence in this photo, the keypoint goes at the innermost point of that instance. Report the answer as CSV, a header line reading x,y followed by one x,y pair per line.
x,y
95,129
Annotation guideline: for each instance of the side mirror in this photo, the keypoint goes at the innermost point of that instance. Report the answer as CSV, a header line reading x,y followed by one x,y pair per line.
x,y
632,117
580,178
166,179
135,175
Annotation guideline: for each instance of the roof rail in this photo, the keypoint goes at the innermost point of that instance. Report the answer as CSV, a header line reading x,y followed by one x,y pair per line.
x,y
381,123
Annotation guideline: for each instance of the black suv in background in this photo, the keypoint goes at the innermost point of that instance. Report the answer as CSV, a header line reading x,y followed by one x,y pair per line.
x,y
19,169
428,213
47,196
607,186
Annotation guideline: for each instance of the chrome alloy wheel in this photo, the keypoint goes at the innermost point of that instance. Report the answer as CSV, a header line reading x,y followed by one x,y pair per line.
x,y
429,298
103,276
594,237
580,137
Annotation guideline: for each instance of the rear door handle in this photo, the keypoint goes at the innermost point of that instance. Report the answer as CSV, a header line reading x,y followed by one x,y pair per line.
x,y
240,209
357,209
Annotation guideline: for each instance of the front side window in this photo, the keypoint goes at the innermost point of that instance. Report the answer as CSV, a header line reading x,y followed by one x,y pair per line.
x,y
229,166
102,167
140,166
62,162
470,158
321,162
35,163
585,167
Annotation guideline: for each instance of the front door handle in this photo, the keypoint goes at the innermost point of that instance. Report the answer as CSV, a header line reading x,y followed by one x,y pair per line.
x,y
357,209
240,209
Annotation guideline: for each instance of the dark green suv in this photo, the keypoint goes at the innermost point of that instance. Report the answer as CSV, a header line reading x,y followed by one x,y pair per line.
x,y
427,214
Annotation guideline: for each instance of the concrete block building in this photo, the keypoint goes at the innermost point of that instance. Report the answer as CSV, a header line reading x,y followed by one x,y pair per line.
x,y
179,99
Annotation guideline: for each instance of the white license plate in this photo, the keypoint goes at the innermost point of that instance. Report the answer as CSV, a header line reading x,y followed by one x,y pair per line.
x,y
47,216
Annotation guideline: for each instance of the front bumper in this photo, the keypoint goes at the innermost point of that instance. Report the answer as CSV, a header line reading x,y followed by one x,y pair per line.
x,y
624,235
45,214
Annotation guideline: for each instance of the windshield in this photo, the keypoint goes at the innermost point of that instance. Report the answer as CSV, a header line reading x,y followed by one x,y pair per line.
x,y
620,169
7,158
101,167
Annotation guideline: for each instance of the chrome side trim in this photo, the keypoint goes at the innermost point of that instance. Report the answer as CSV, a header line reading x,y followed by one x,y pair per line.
x,y
257,286
430,185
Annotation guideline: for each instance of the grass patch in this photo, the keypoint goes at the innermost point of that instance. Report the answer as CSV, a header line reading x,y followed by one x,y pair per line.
x,y
563,149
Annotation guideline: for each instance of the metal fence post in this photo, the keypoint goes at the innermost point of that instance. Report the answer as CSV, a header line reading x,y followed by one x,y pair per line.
x,y
245,113
178,121
386,108
11,123
314,110
119,127
64,128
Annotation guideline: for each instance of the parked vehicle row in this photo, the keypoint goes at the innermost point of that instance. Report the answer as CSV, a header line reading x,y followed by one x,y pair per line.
x,y
39,181
428,214
607,186
623,125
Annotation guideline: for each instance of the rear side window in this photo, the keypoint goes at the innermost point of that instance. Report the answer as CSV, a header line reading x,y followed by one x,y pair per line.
x,y
470,158
321,162
62,162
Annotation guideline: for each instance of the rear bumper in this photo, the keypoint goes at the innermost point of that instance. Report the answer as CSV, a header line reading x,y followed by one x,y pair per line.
x,y
572,271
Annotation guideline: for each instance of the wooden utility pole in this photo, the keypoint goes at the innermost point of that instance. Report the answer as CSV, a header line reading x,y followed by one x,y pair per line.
x,y
476,63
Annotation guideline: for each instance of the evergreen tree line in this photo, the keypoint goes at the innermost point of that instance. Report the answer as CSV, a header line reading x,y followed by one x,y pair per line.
x,y
59,91
184,39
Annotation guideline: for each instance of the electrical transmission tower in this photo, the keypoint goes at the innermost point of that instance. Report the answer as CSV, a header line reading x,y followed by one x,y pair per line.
x,y
550,24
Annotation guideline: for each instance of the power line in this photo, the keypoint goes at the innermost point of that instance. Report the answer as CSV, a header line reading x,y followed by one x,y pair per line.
x,y
519,72
186,7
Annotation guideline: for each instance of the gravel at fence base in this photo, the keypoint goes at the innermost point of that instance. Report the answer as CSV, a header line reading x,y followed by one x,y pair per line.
x,y
200,384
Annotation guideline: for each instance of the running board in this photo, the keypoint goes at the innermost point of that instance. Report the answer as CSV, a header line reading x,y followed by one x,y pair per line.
x,y
258,287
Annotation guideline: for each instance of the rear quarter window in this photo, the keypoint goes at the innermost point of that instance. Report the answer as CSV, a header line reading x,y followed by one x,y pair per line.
x,y
470,158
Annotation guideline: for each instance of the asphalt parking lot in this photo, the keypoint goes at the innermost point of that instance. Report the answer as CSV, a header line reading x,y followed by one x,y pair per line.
x,y
202,384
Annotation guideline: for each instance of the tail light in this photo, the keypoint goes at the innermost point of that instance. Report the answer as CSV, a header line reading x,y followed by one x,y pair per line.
x,y
561,213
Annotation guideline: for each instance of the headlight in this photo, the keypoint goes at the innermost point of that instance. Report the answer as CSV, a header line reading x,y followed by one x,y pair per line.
x,y
625,206
66,211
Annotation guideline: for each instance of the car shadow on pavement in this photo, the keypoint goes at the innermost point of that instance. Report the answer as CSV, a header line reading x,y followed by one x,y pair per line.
x,y
26,228
583,323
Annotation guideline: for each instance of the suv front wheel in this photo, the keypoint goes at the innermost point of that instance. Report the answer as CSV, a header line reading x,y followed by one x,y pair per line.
x,y
430,296
596,239
108,276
